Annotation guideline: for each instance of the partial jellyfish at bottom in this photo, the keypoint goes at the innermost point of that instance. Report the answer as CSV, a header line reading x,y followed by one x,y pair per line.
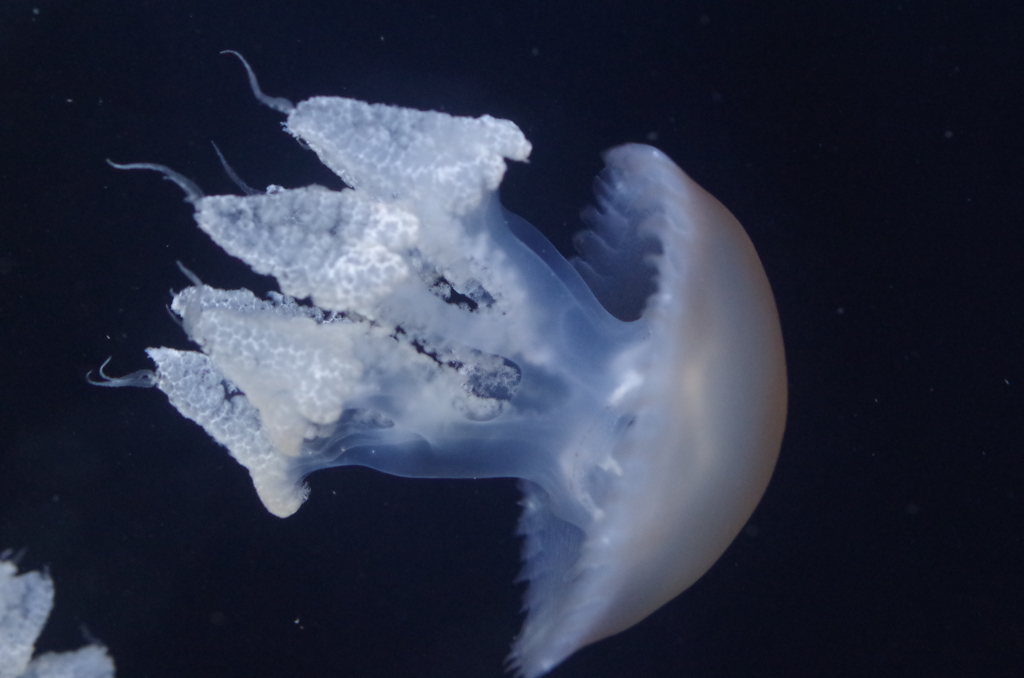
x,y
26,601
638,391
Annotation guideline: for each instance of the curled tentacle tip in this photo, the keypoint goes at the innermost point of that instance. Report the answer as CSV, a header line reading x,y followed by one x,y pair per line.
x,y
238,181
279,104
137,379
193,193
189,274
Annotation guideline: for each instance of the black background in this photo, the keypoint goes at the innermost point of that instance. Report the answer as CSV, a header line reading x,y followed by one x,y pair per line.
x,y
874,152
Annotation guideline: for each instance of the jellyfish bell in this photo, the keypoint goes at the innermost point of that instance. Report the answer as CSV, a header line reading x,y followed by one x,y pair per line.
x,y
638,392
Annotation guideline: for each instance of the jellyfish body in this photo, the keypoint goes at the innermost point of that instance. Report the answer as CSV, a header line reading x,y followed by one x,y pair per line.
x,y
639,392
25,603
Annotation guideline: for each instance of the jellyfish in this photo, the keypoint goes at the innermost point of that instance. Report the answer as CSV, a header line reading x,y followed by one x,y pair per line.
x,y
638,391
25,603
